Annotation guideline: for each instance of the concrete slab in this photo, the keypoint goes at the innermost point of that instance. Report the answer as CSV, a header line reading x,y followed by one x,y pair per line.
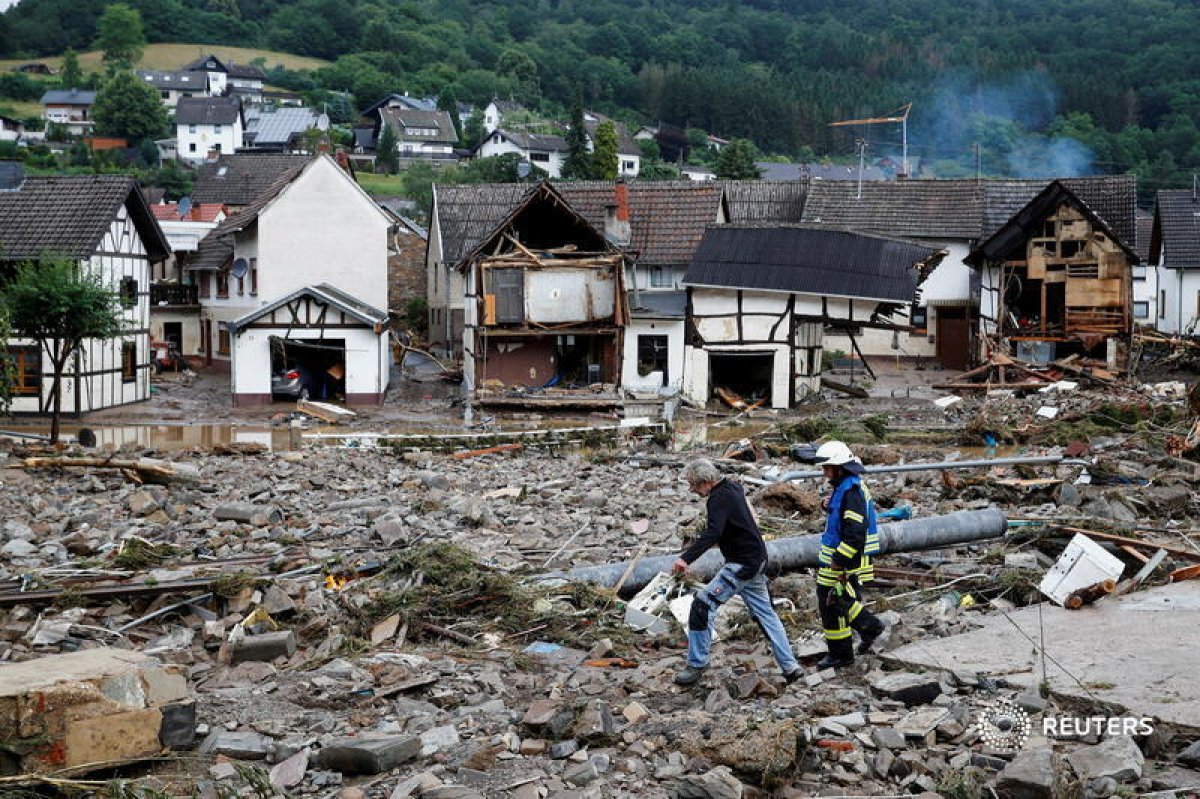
x,y
1142,645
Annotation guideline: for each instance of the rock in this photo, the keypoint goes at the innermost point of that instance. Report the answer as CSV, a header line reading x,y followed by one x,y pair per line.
x,y
532,747
888,738
601,649
1118,757
753,747
595,722
1030,775
790,498
719,783
588,772
564,749
19,548
1069,496
540,712
595,499
434,480
290,773
240,745
1100,788
351,793
919,723
882,763
851,721
141,503
1031,701
909,688
372,755
1191,755
390,531
717,700
438,738
634,712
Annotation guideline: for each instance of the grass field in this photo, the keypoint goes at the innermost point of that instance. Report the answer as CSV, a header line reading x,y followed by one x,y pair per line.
x,y
381,185
19,109
174,56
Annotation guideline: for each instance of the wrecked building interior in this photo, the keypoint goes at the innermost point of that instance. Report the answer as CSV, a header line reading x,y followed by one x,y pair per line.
x,y
545,303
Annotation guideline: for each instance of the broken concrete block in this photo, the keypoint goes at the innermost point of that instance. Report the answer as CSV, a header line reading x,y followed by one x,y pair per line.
x,y
909,688
635,712
1191,755
239,745
888,738
919,723
256,515
1118,757
161,686
719,783
265,647
64,712
290,773
1030,775
540,712
369,755
178,729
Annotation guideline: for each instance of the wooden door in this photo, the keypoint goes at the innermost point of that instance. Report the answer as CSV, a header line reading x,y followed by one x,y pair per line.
x,y
953,338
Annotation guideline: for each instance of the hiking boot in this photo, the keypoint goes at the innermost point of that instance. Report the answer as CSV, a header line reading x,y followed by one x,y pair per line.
x,y
830,662
690,675
793,675
870,637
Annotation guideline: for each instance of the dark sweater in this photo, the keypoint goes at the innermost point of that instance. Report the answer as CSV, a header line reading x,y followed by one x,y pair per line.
x,y
731,527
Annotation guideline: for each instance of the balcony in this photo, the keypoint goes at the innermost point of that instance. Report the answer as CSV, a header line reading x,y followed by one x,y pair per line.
x,y
174,296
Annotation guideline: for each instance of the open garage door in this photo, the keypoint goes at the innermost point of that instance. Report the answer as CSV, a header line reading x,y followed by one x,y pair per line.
x,y
746,374
318,365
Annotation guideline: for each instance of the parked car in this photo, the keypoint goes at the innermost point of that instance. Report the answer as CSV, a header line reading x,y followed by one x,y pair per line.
x,y
293,382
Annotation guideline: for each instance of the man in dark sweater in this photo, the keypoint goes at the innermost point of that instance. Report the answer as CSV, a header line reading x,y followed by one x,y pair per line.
x,y
731,527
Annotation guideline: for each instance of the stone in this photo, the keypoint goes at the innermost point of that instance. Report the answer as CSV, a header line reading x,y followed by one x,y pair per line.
x,y
1100,788
438,738
1030,775
1191,755
888,738
237,744
601,649
1118,757
882,763
178,730
532,747
415,785
18,548
434,480
369,755
223,771
351,793
595,722
161,686
141,503
909,688
635,712
290,772
390,531
540,712
564,749
851,721
582,774
1031,701
919,723
717,700
719,783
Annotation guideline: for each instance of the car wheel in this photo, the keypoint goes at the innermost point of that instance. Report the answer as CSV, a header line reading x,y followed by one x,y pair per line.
x,y
304,394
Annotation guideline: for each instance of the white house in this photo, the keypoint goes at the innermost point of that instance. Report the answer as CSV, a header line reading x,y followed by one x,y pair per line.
x,y
629,152
313,227
102,223
174,297
11,129
69,107
226,77
1175,264
546,152
760,298
493,112
208,126
420,135
173,85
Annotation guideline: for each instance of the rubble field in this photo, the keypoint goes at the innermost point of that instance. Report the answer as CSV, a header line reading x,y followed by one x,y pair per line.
x,y
336,621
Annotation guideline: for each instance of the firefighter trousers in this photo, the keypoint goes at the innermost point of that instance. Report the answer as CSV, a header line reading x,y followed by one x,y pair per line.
x,y
843,614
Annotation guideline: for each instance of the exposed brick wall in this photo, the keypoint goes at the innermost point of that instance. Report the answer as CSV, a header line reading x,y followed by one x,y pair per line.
x,y
406,269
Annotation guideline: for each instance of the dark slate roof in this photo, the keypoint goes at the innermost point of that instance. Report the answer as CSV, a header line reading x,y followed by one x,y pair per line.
x,y
626,144
507,106
248,213
213,253
658,304
801,260
531,141
246,71
780,201
775,171
325,293
667,218
238,178
68,97
203,63
936,209
1176,238
1145,229
400,118
1113,198
68,215
178,81
207,110
1011,237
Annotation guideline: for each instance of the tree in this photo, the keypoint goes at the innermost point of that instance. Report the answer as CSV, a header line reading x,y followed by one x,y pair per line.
x,y
604,154
473,132
448,102
6,366
579,161
71,76
387,150
59,306
174,179
127,106
119,33
736,161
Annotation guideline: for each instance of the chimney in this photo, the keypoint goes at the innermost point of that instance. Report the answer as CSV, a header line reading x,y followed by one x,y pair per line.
x,y
12,175
616,217
343,160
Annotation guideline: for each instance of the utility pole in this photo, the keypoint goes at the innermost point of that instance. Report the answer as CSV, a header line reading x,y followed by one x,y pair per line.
x,y
978,162
862,154
900,115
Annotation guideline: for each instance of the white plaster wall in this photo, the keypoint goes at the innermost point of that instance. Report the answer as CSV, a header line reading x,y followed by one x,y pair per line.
x,y
189,325
696,370
206,138
491,147
673,274
673,330
251,364
1145,290
322,229
952,278
567,295
1181,290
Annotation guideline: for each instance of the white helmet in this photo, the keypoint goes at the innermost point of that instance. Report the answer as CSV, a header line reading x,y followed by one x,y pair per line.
x,y
835,453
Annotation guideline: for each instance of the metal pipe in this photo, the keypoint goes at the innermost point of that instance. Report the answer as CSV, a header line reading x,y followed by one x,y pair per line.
x,y
796,552
922,467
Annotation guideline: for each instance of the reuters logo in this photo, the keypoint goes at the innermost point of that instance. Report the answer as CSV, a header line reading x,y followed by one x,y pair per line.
x,y
1003,726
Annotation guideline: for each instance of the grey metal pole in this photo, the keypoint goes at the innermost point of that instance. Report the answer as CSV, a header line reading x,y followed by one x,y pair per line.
x,y
922,467
801,551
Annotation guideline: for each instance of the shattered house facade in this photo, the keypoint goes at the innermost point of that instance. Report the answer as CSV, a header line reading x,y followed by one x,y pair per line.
x,y
1056,280
544,302
760,299
103,224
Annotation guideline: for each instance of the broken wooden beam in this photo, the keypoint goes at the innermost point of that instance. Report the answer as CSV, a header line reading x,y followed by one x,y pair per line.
x,y
474,453
148,470
844,388
325,411
1178,552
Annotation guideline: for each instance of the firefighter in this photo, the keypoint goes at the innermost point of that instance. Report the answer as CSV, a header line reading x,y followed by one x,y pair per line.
x,y
849,541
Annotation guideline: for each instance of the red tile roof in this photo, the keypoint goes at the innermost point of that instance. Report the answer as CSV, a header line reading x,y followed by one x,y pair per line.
x,y
201,212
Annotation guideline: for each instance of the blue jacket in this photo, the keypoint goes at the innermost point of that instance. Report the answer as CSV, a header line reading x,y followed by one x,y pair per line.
x,y
851,534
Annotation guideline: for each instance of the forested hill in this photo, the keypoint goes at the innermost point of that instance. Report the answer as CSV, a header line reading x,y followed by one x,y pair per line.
x,y
1122,76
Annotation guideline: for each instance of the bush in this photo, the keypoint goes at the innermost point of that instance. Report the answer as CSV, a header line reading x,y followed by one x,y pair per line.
x,y
416,314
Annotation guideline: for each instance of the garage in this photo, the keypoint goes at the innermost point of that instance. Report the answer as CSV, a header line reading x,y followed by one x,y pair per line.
x,y
318,341
746,374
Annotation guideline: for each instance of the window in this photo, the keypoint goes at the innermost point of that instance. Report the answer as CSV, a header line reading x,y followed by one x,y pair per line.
x,y
217,147
541,158
191,128
216,129
128,361
166,94
27,370
508,285
222,338
1162,303
652,356
627,166
1139,272
253,277
660,278
241,286
129,291
1141,310
222,285
192,147
919,319
204,288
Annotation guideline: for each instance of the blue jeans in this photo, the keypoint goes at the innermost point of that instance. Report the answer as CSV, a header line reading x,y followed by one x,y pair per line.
x,y
757,596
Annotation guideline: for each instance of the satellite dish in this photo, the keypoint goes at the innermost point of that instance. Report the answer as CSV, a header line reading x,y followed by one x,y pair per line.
x,y
185,207
523,169
240,267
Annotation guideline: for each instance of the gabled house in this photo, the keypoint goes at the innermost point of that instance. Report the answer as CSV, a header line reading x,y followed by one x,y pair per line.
x,y
103,224
174,301
1175,255
544,302
281,129
759,299
208,126
171,86
227,78
317,239
1057,279
71,108
421,135
237,179
629,153
547,152
493,112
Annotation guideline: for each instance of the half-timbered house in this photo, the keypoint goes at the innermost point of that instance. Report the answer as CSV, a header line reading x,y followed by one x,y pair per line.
x,y
102,223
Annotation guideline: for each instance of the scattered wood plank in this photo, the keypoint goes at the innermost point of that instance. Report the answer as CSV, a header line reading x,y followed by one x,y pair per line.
x,y
325,411
1150,565
145,470
844,388
474,453
1177,552
1186,573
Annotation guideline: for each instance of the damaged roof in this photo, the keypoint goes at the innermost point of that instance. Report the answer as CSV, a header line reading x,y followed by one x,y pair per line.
x,y
756,201
1175,241
805,260
238,178
68,216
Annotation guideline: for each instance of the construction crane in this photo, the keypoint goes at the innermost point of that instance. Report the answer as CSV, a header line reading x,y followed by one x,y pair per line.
x,y
899,115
